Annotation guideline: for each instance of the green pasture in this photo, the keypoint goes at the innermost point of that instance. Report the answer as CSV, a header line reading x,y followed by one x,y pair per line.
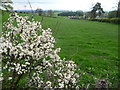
x,y
92,45
0,22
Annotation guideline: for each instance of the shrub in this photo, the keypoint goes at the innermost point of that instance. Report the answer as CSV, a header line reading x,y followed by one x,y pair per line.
x,y
30,58
115,20
112,20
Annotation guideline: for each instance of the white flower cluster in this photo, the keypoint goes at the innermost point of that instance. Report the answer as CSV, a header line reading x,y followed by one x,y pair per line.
x,y
27,48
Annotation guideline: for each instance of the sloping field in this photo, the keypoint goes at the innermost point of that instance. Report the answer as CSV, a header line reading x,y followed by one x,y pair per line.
x,y
93,45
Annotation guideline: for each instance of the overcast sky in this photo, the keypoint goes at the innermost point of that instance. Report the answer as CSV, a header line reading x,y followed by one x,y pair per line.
x,y
84,5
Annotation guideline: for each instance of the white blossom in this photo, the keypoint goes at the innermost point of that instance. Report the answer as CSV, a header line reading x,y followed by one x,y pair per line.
x,y
28,49
9,78
61,85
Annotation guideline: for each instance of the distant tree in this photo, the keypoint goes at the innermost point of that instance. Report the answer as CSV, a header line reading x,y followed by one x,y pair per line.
x,y
6,4
115,13
112,14
50,13
67,13
119,5
79,13
87,15
116,5
71,13
39,11
97,10
118,10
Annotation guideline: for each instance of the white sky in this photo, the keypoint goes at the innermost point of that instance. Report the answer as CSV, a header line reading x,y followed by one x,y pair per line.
x,y
84,5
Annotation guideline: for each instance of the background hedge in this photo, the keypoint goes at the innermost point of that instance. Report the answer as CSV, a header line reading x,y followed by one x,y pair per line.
x,y
109,20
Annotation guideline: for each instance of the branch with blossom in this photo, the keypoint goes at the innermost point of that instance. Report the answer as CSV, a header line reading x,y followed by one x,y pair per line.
x,y
28,53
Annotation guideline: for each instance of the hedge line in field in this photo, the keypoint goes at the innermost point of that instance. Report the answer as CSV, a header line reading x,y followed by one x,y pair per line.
x,y
109,20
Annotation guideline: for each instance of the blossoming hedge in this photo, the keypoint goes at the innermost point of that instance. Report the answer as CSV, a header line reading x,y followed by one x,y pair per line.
x,y
30,58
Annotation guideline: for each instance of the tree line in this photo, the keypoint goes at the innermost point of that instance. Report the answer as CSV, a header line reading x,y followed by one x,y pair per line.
x,y
71,13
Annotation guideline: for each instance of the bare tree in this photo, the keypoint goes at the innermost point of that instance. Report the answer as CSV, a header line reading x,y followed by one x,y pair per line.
x,y
39,11
50,13
118,10
116,5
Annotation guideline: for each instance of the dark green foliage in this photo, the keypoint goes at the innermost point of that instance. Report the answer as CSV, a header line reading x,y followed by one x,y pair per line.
x,y
70,13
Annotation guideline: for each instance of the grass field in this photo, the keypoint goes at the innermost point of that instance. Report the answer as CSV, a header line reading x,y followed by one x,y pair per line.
x,y
92,45
0,21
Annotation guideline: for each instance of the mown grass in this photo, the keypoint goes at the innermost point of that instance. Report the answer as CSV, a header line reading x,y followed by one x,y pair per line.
x,y
92,45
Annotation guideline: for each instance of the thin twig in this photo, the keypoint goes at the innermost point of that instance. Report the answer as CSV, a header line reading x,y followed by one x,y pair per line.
x,y
87,86
31,9
30,6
